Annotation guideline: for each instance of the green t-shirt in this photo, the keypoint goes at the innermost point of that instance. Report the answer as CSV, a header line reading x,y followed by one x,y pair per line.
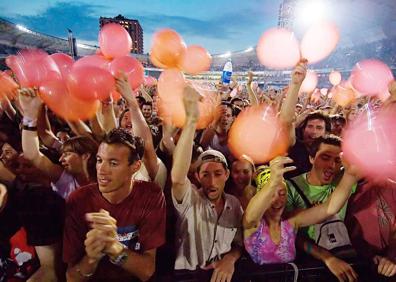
x,y
315,194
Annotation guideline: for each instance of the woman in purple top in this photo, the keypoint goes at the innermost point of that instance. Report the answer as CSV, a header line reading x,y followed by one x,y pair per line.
x,y
270,238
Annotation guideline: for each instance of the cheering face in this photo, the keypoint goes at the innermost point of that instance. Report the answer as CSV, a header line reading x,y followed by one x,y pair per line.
x,y
71,161
278,201
226,117
241,173
315,128
9,156
212,176
147,111
326,164
126,122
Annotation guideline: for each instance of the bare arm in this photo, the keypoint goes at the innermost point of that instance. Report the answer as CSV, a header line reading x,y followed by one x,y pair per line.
x,y
183,151
332,206
30,104
146,96
262,200
109,120
140,126
44,129
252,96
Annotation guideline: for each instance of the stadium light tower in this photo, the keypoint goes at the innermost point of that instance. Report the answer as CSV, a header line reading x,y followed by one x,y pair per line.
x,y
72,43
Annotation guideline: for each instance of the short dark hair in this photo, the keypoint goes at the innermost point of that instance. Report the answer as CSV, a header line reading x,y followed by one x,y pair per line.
x,y
147,103
340,118
329,139
121,136
317,115
82,145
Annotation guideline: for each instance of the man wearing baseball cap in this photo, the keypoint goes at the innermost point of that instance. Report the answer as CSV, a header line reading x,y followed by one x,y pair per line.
x,y
209,234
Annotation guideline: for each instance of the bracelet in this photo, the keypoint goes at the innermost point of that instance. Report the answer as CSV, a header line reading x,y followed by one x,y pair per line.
x,y
84,275
29,128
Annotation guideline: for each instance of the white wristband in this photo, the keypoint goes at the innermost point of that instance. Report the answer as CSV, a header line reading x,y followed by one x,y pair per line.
x,y
29,122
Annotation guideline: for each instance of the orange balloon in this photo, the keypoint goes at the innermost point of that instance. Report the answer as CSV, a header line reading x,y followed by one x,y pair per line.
x,y
319,41
278,49
54,93
8,86
171,109
344,95
195,60
310,82
335,78
167,48
171,83
258,134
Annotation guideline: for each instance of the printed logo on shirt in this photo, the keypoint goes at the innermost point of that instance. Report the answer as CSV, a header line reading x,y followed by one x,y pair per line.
x,y
129,236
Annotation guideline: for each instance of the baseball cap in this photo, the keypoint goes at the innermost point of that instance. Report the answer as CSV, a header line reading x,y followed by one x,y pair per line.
x,y
211,156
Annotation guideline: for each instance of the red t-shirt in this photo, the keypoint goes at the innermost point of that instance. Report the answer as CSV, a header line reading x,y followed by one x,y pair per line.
x,y
140,224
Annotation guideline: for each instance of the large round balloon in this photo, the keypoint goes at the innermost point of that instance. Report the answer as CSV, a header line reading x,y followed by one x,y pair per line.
x,y
258,134
167,49
369,143
92,61
195,60
90,83
8,86
171,83
64,63
55,94
310,82
371,77
114,41
132,68
32,67
171,108
278,49
335,78
319,41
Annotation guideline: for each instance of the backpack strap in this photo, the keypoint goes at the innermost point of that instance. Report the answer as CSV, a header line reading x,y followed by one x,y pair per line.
x,y
301,193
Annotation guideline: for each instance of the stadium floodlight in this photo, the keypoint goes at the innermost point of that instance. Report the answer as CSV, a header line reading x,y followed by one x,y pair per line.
x,y
310,11
248,50
22,28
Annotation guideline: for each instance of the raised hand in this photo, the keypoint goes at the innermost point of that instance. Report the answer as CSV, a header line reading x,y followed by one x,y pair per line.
x,y
277,166
124,88
30,103
299,72
190,100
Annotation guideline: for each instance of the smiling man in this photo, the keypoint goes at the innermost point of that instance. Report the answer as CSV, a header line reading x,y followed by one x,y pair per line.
x,y
315,187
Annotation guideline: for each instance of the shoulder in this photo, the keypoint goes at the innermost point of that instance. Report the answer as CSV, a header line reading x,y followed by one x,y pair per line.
x,y
83,193
145,189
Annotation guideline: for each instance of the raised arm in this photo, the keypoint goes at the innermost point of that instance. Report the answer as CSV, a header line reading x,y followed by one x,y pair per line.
x,y
333,204
262,200
108,116
183,151
252,96
287,112
30,104
140,127
44,129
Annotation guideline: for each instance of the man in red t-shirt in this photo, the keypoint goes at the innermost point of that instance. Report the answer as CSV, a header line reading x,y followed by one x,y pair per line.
x,y
114,227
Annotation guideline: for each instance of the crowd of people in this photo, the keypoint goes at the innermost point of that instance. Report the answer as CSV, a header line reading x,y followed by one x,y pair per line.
x,y
126,196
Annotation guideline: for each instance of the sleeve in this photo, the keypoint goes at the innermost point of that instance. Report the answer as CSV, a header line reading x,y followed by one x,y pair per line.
x,y
152,228
238,239
189,198
73,234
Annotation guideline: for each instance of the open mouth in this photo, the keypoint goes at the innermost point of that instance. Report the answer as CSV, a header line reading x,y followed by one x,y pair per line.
x,y
328,175
103,181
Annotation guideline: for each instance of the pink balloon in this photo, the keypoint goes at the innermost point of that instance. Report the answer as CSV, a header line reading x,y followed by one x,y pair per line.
x,y
64,63
278,49
310,82
92,61
32,67
114,41
371,77
195,60
89,83
132,68
319,41
377,156
344,94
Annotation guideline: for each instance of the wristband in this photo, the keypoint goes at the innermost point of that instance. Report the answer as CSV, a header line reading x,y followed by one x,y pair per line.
x,y
121,258
29,128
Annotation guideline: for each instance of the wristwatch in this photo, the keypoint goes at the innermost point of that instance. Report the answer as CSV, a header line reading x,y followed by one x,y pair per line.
x,y
121,258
